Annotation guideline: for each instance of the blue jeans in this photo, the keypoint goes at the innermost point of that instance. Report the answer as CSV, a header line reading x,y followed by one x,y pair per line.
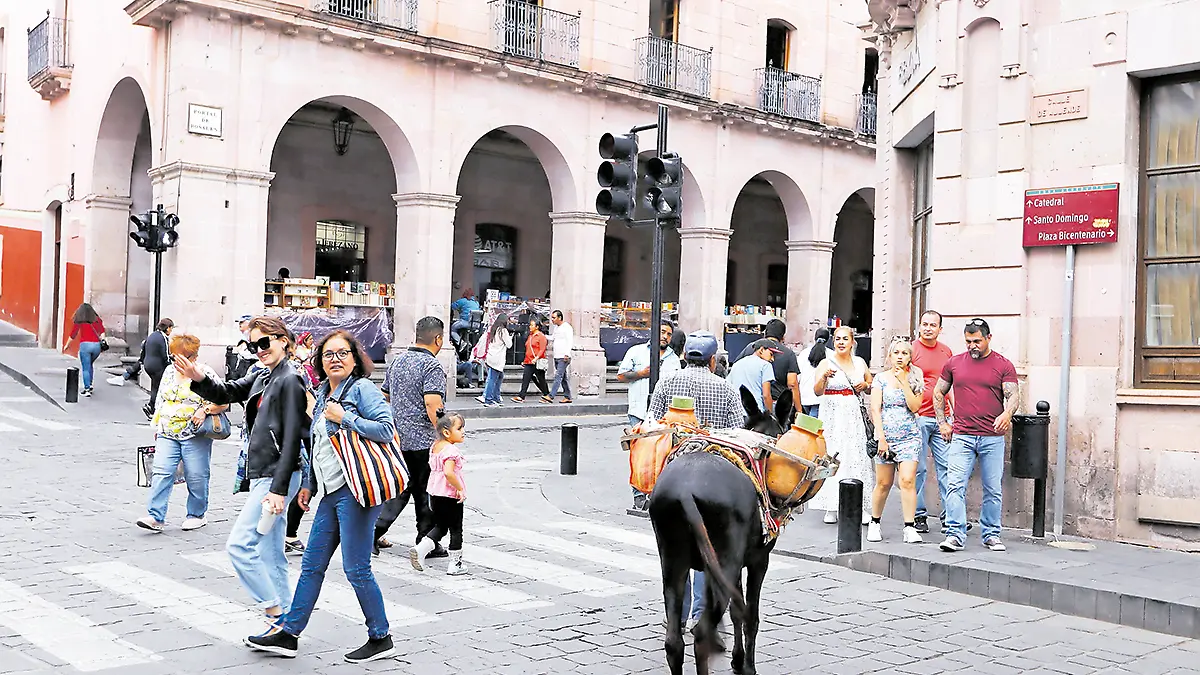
x,y
695,591
963,452
339,520
561,379
811,410
491,391
88,351
196,455
258,559
933,443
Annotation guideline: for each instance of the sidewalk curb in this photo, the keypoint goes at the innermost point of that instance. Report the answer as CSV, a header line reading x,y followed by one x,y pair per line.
x,y
522,411
29,384
1134,611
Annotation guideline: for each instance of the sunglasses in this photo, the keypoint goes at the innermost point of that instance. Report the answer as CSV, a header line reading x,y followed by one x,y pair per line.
x,y
261,344
976,322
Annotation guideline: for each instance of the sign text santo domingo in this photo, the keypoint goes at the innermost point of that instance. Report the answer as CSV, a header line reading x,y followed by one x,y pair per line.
x,y
1083,214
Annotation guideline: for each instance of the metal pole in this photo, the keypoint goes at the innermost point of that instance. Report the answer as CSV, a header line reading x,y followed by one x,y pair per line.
x,y
656,266
849,525
568,460
72,385
1064,390
1039,507
157,286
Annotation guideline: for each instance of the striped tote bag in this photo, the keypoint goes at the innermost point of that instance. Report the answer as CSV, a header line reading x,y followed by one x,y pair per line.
x,y
375,472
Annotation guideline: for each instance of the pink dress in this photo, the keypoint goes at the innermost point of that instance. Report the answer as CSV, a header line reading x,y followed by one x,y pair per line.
x,y
438,485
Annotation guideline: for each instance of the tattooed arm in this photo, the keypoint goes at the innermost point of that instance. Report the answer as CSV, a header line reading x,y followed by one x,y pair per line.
x,y
939,407
1004,421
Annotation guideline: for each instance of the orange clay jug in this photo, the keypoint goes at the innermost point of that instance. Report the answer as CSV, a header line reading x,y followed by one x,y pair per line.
x,y
682,411
797,456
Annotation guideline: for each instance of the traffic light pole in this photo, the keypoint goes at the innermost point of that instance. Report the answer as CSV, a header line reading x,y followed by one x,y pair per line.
x,y
656,267
157,288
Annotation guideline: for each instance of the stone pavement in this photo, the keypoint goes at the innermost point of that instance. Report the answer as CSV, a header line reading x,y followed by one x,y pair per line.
x,y
551,589
1117,583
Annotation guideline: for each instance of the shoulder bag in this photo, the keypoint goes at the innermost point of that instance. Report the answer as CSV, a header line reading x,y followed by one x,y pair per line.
x,y
375,472
215,427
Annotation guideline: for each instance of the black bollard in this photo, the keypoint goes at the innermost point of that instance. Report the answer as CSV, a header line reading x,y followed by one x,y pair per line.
x,y
850,495
72,385
568,460
1030,458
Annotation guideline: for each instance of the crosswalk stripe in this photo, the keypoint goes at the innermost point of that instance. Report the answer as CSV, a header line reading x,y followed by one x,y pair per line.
x,y
641,565
68,636
513,464
5,427
338,599
19,399
207,613
638,539
554,575
18,416
470,588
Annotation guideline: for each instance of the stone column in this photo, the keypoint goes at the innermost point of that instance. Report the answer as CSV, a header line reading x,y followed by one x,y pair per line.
x,y
424,267
216,271
576,269
106,254
703,264
810,263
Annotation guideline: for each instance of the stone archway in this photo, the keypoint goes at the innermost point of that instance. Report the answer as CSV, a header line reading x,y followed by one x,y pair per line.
x,y
851,286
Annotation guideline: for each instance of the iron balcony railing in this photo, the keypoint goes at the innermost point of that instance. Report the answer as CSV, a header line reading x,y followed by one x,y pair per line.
x,y
530,31
789,94
400,14
48,46
868,109
669,65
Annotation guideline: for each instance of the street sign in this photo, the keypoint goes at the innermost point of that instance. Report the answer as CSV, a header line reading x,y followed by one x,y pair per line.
x,y
1085,214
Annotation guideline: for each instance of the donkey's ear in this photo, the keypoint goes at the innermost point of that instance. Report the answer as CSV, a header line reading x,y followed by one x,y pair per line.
x,y
748,402
784,409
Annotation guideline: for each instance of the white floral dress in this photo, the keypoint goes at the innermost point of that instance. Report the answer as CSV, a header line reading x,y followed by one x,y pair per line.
x,y
846,436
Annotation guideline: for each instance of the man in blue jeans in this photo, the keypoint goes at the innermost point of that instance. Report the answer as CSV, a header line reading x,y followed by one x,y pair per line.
x,y
985,398
930,356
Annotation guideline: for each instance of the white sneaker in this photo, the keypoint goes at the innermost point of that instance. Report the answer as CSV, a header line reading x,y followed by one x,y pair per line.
x,y
416,554
116,381
830,517
874,532
911,536
149,523
190,524
993,543
480,399
866,518
456,564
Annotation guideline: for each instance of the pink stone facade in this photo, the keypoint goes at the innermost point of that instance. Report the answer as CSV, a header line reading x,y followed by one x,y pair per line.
x,y
970,77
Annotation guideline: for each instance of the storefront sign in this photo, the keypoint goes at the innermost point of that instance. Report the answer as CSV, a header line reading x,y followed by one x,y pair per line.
x,y
1086,214
1060,107
915,61
204,120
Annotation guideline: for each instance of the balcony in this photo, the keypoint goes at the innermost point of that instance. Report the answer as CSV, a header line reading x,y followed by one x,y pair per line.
x,y
50,58
789,94
867,110
533,32
399,14
667,64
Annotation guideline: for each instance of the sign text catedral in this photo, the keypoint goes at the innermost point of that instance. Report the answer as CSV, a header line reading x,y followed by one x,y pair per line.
x,y
1085,214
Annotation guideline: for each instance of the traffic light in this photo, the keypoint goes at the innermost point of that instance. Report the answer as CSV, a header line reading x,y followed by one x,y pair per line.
x,y
143,228
155,231
618,176
665,196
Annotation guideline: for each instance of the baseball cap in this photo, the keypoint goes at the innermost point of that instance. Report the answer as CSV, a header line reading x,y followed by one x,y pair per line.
x,y
245,317
766,344
700,345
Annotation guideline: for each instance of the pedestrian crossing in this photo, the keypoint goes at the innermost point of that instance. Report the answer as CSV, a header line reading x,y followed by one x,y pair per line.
x,y
563,565
13,420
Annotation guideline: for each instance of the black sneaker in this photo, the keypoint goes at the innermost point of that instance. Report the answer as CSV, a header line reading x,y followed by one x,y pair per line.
x,y
375,649
277,642
293,547
921,524
438,552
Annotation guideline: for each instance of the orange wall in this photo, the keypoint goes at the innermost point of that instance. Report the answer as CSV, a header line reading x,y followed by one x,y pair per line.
x,y
22,272
72,299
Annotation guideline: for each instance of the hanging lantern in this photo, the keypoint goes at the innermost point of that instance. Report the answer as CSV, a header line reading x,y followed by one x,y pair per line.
x,y
343,126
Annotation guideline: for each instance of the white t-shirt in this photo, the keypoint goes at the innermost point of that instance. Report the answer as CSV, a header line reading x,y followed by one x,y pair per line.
x,y
562,340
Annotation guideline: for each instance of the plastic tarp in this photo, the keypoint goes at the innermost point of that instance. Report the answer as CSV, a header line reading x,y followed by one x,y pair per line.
x,y
371,326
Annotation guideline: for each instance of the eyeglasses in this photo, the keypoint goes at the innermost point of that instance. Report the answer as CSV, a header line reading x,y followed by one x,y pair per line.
x,y
261,344
336,356
902,338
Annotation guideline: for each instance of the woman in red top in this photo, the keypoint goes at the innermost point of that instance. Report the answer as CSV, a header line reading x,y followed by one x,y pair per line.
x,y
90,331
535,361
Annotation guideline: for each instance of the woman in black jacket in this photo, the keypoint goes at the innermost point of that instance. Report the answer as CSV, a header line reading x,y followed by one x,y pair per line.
x,y
277,419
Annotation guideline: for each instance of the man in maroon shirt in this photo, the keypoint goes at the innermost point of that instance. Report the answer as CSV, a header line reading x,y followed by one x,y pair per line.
x,y
930,355
985,398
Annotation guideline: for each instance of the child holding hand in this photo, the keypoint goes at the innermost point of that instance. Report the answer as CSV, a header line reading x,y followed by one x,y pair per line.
x,y
447,492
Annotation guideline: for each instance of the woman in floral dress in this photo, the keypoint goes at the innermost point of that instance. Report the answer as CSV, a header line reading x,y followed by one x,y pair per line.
x,y
895,400
841,378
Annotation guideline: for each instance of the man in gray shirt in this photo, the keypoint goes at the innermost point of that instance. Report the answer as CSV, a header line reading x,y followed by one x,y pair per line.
x,y
415,385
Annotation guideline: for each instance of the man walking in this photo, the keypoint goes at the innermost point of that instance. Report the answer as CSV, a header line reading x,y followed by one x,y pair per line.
x,y
756,373
415,385
635,369
985,398
562,342
930,356
787,368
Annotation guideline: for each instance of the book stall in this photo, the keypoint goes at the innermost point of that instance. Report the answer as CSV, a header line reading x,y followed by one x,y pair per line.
x,y
320,306
625,324
746,323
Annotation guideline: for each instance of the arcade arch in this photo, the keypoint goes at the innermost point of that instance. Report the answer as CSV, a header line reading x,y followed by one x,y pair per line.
x,y
851,285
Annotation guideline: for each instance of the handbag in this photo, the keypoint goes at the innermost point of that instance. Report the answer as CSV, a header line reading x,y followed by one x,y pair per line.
x,y
375,472
145,467
103,345
542,363
215,427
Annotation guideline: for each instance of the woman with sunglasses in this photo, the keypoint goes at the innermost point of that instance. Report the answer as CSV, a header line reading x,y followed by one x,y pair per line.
x,y
345,399
277,420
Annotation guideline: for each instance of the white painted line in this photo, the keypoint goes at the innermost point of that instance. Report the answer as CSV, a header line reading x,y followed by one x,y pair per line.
x,y
337,599
19,399
631,538
68,636
207,613
514,464
466,587
49,425
5,427
555,575
640,565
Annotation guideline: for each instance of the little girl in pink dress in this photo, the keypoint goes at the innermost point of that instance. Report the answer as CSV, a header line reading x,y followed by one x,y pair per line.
x,y
447,492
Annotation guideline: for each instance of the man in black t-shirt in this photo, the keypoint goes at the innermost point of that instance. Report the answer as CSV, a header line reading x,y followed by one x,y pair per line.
x,y
787,368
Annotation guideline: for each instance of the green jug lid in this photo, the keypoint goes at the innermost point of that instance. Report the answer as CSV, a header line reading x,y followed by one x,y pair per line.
x,y
810,424
683,403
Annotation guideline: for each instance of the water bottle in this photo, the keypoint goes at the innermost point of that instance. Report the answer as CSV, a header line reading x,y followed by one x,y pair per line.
x,y
266,521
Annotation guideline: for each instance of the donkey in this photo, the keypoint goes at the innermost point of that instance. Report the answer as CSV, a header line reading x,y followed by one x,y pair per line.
x,y
705,516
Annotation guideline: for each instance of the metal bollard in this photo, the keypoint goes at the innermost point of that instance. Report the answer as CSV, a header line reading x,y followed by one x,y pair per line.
x,y
72,385
1030,458
568,460
850,495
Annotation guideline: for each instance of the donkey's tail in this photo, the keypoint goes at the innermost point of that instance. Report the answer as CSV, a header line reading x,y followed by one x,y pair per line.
x,y
712,566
